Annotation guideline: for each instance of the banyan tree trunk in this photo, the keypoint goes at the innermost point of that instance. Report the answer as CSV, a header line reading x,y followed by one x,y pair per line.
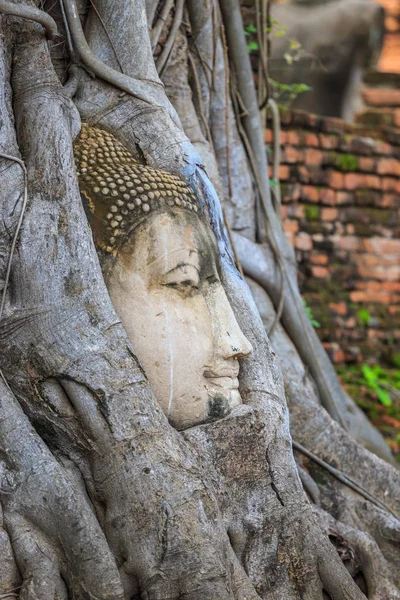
x,y
100,497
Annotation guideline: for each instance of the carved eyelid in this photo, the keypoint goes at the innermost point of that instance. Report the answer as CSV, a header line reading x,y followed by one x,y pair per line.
x,y
182,271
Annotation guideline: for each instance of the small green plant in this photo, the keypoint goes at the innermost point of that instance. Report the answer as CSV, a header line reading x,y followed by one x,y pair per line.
x,y
310,315
364,317
380,381
396,360
249,31
347,162
312,212
286,93
275,28
294,53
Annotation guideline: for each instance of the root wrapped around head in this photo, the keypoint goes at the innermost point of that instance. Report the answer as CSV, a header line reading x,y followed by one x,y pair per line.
x,y
119,190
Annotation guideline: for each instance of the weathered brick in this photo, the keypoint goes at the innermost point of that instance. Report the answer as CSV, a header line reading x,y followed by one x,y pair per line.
x,y
388,166
327,196
313,157
347,242
344,198
290,192
292,137
310,193
334,125
328,227
339,308
390,184
380,273
311,139
391,286
366,164
301,173
382,246
303,241
292,155
317,176
328,142
350,323
381,96
320,272
334,351
329,214
291,237
336,180
295,210
383,148
319,259
389,201
366,197
376,117
290,226
353,181
362,145
268,137
364,297
284,173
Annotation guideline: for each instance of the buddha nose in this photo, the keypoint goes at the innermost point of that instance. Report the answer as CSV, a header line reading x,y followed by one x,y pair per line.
x,y
230,341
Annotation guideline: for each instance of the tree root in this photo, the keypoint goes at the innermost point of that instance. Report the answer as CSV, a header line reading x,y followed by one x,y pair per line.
x,y
32,14
368,558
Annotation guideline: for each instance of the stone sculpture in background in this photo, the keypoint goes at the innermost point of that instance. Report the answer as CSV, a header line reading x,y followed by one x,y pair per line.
x,y
339,40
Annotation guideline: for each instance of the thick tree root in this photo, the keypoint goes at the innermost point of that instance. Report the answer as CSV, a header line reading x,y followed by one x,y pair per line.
x,y
362,555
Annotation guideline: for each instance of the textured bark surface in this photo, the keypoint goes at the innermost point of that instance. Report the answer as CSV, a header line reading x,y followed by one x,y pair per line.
x,y
100,496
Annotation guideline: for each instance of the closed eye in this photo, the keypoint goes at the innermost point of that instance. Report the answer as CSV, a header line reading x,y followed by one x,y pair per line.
x,y
184,278
186,283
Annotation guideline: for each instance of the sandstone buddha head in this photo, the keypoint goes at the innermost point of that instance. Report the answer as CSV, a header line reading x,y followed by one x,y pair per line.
x,y
159,259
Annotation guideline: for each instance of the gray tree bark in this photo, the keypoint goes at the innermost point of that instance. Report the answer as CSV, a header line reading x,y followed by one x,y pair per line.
x,y
100,497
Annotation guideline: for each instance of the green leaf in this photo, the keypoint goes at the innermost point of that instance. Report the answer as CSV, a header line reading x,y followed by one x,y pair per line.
x,y
252,46
309,314
251,28
369,375
384,397
364,316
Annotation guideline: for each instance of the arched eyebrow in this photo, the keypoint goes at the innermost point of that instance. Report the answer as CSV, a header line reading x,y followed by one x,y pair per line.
x,y
159,258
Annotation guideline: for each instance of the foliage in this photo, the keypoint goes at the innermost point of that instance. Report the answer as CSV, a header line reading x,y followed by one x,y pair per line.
x,y
275,28
286,93
312,212
294,53
310,315
347,162
363,382
396,360
249,31
378,380
364,317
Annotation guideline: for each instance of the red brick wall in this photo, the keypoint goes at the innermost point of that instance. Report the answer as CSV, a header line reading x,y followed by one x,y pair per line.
x,y
341,208
390,57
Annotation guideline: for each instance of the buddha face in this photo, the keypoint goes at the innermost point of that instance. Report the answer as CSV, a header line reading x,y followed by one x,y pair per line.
x,y
165,287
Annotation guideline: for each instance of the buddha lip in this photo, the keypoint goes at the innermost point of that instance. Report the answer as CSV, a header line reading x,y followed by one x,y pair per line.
x,y
222,373
228,382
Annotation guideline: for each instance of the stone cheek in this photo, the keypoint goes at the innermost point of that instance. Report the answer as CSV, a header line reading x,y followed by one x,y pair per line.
x,y
119,190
